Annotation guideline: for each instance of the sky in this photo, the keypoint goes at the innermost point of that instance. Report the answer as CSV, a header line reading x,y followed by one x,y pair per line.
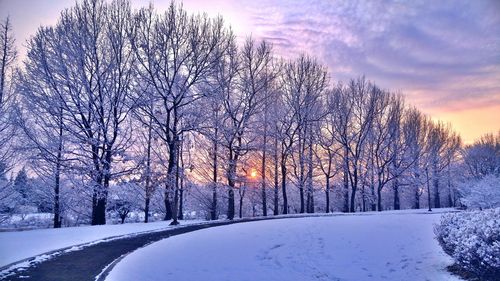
x,y
444,56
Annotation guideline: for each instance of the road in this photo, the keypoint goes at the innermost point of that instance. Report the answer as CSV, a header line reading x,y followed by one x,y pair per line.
x,y
91,261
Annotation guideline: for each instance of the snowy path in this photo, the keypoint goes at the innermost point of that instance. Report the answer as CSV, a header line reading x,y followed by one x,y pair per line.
x,y
386,246
18,245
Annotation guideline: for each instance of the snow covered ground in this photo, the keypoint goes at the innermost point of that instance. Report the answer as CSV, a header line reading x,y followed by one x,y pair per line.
x,y
18,245
383,246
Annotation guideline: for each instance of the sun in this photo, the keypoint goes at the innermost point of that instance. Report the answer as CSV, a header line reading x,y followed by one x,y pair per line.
x,y
253,173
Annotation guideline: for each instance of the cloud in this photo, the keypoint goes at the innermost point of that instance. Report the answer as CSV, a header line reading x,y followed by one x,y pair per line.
x,y
442,54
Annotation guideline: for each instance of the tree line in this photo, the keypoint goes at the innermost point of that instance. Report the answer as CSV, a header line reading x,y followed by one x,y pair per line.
x,y
115,108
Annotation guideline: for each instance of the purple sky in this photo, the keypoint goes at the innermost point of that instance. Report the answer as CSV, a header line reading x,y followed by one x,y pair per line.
x,y
443,55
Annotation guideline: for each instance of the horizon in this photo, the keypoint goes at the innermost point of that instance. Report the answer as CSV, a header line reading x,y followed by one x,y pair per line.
x,y
444,61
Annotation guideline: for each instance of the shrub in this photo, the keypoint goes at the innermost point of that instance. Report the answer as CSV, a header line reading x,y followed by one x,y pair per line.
x,y
473,240
483,193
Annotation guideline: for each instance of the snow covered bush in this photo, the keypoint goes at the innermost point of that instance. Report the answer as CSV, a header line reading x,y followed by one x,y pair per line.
x,y
483,193
473,240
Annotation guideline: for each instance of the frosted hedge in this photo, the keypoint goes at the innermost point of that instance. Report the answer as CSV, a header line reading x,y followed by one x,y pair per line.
x,y
473,240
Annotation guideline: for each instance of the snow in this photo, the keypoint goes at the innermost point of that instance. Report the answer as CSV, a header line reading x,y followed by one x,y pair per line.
x,y
471,238
19,245
383,246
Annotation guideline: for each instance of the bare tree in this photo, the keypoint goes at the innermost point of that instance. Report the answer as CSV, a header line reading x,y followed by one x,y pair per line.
x,y
86,61
175,53
144,139
277,107
8,56
266,80
42,115
211,130
397,147
416,127
354,107
303,82
339,112
285,132
443,144
483,156
327,154
244,96
149,187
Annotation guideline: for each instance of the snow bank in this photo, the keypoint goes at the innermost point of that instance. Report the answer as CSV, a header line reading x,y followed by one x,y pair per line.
x,y
379,246
18,245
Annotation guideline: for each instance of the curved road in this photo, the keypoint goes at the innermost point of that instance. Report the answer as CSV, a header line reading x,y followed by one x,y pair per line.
x,y
90,261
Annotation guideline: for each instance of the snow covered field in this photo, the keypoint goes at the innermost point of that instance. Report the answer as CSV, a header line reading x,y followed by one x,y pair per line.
x,y
384,246
18,245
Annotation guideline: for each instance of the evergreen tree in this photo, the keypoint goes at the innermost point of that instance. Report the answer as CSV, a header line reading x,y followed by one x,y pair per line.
x,y
21,184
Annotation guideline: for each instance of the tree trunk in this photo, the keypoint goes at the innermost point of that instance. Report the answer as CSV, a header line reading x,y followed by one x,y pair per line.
x,y
180,177
353,193
373,205
181,200
100,194
170,183
232,183
146,209
352,208
416,204
345,207
417,199
397,205
241,208
57,215
276,179
435,181
99,209
173,166
213,210
428,189
301,193
327,194
363,198
230,207
283,185
301,143
310,198
379,197
173,178
451,202
312,203
175,205
372,186
242,195
148,173
168,207
263,174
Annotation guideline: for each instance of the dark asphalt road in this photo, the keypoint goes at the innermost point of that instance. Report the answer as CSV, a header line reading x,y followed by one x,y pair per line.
x,y
87,263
